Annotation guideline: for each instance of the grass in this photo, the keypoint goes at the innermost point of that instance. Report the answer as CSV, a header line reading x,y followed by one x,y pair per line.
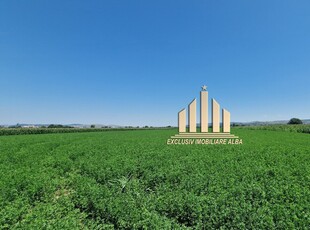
x,y
133,180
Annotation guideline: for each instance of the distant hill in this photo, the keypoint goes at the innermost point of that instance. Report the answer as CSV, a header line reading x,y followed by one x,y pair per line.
x,y
257,123
252,123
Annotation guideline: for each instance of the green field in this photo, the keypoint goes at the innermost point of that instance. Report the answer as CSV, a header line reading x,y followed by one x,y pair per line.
x,y
133,180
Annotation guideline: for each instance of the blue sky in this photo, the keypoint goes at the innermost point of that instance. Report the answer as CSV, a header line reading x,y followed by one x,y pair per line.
x,y
140,62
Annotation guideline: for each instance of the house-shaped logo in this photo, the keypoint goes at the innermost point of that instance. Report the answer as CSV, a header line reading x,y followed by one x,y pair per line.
x,y
218,135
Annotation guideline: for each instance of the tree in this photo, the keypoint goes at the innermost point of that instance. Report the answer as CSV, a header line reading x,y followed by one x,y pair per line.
x,y
92,126
295,121
53,126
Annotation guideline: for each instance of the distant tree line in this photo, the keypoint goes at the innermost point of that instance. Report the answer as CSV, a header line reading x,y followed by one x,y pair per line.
x,y
59,126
